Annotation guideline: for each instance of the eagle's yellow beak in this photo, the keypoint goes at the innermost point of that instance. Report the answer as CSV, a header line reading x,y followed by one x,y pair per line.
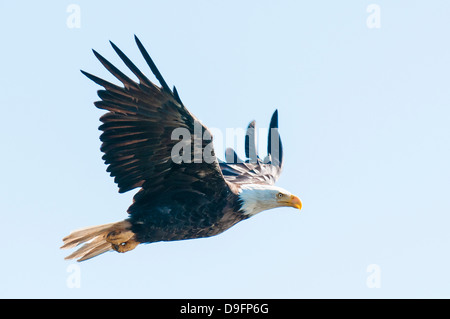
x,y
295,202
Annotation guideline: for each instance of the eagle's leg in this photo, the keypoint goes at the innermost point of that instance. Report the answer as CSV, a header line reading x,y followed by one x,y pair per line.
x,y
122,241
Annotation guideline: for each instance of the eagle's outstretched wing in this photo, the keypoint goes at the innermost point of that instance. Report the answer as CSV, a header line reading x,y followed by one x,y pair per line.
x,y
254,170
137,135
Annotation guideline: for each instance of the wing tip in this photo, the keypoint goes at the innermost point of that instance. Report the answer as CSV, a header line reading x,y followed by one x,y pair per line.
x,y
250,142
274,119
152,66
276,158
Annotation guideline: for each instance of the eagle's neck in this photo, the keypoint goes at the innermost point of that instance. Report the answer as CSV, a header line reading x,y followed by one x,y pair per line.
x,y
255,199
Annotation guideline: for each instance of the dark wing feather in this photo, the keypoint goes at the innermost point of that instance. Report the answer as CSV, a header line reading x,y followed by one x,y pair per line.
x,y
137,134
254,170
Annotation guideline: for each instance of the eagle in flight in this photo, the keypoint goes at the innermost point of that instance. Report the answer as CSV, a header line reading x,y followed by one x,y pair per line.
x,y
178,199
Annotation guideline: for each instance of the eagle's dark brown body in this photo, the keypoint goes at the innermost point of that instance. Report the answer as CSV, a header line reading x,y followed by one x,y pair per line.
x,y
184,214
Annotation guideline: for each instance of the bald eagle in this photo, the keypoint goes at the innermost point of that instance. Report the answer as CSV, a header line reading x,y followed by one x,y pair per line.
x,y
178,199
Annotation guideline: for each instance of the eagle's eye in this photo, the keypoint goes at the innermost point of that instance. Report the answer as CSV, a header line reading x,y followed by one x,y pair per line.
x,y
280,195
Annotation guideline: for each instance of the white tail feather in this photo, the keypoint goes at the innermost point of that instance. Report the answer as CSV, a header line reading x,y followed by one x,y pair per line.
x,y
96,239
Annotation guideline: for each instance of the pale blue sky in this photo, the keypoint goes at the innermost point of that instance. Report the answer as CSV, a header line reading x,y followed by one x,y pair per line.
x,y
364,118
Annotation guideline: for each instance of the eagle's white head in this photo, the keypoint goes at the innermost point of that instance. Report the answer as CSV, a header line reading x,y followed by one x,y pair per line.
x,y
256,198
